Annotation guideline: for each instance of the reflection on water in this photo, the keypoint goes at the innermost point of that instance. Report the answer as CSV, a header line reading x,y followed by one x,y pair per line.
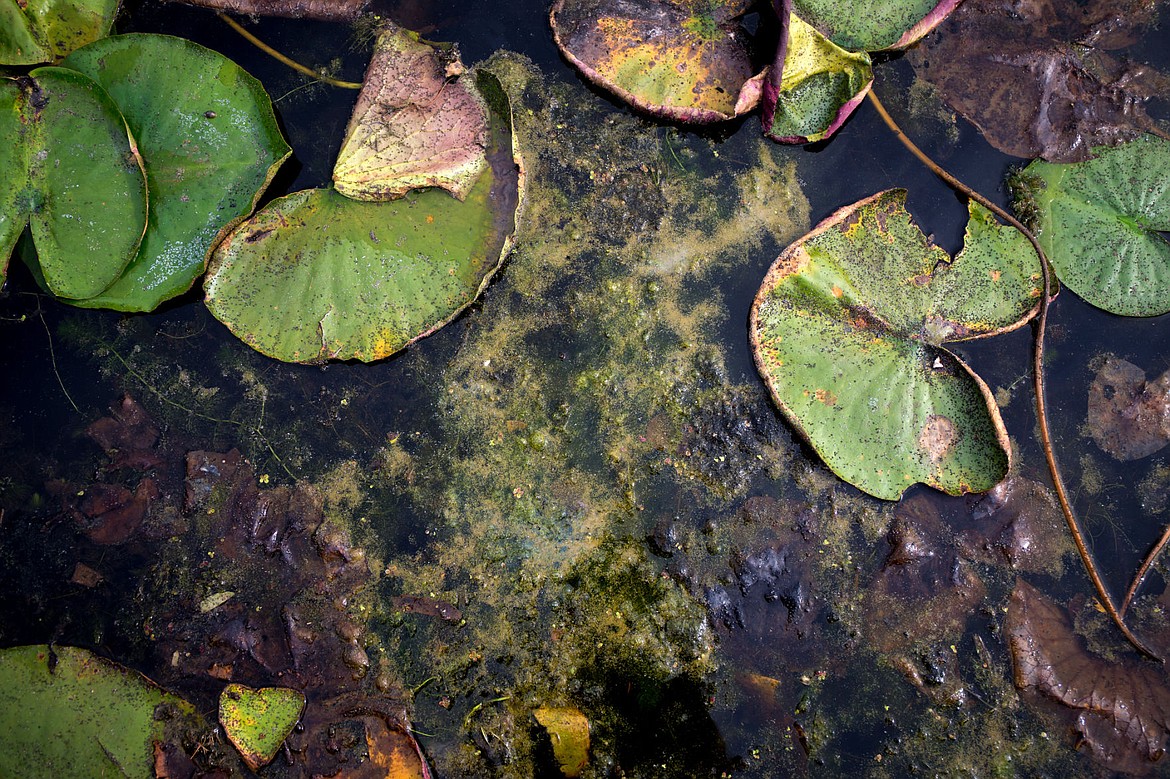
x,y
578,494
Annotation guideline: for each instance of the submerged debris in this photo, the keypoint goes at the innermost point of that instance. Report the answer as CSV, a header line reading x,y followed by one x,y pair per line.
x,y
1129,417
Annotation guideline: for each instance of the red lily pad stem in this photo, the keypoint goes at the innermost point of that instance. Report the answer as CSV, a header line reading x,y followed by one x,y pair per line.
x,y
771,88
1037,378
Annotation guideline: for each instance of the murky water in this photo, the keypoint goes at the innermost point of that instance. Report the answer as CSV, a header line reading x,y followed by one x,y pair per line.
x,y
579,494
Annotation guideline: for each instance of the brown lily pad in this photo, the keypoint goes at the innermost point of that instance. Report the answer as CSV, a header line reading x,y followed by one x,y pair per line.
x,y
685,60
1119,711
415,124
324,10
1035,78
1129,417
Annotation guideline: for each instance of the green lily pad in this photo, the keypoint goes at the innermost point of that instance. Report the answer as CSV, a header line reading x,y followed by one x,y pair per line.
x,y
258,721
1099,222
820,84
316,276
209,139
414,124
38,31
85,193
13,172
685,60
66,712
847,331
874,25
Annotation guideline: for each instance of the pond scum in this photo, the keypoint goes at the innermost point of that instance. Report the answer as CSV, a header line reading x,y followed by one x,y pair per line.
x,y
622,521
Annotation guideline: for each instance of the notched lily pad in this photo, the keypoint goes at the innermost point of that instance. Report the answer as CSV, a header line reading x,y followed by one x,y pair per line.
x,y
209,139
874,25
1129,417
1101,223
36,31
813,87
258,721
317,276
1119,711
84,193
417,123
847,331
685,60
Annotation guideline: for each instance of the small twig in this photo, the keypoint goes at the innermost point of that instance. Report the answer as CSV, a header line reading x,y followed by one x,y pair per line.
x,y
1140,576
1037,376
53,357
264,47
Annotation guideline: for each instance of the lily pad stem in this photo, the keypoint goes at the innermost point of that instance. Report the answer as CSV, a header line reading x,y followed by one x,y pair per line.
x,y
1140,576
1037,375
264,47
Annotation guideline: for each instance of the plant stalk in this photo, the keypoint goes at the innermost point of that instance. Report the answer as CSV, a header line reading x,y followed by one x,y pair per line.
x,y
298,67
1037,376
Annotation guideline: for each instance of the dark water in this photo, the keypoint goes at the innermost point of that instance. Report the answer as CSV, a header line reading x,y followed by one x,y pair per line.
x,y
836,701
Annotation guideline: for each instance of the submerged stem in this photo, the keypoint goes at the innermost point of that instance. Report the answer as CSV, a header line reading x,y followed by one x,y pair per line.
x,y
1037,375
1140,576
264,47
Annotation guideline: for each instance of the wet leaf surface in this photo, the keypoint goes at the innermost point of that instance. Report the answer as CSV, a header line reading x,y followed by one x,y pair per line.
x,y
820,85
568,730
46,30
65,711
1118,710
1129,417
1035,77
258,721
326,10
679,59
210,144
847,330
417,123
1101,223
876,24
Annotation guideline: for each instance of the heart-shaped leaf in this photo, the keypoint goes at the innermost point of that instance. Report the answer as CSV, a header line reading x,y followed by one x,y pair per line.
x,y
874,25
1100,223
847,330
414,124
819,85
210,143
84,194
36,31
258,721
685,60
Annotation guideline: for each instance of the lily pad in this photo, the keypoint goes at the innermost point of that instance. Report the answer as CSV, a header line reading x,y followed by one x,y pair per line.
x,y
85,191
820,84
38,31
66,712
258,721
209,139
685,60
1100,224
568,730
847,331
13,172
415,124
317,276
874,25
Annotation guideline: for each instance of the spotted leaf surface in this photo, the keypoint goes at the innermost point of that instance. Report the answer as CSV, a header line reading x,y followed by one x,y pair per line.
x,y
1101,222
874,25
35,31
416,124
209,140
13,172
847,331
681,59
820,84
258,721
316,276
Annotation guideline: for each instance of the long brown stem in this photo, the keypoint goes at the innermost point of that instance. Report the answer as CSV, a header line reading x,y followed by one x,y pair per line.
x,y
264,47
1037,375
1140,576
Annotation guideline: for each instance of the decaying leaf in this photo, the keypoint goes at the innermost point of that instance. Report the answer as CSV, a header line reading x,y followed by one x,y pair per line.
x,y
1034,77
847,330
568,730
680,59
416,124
1120,711
874,25
325,10
1129,417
